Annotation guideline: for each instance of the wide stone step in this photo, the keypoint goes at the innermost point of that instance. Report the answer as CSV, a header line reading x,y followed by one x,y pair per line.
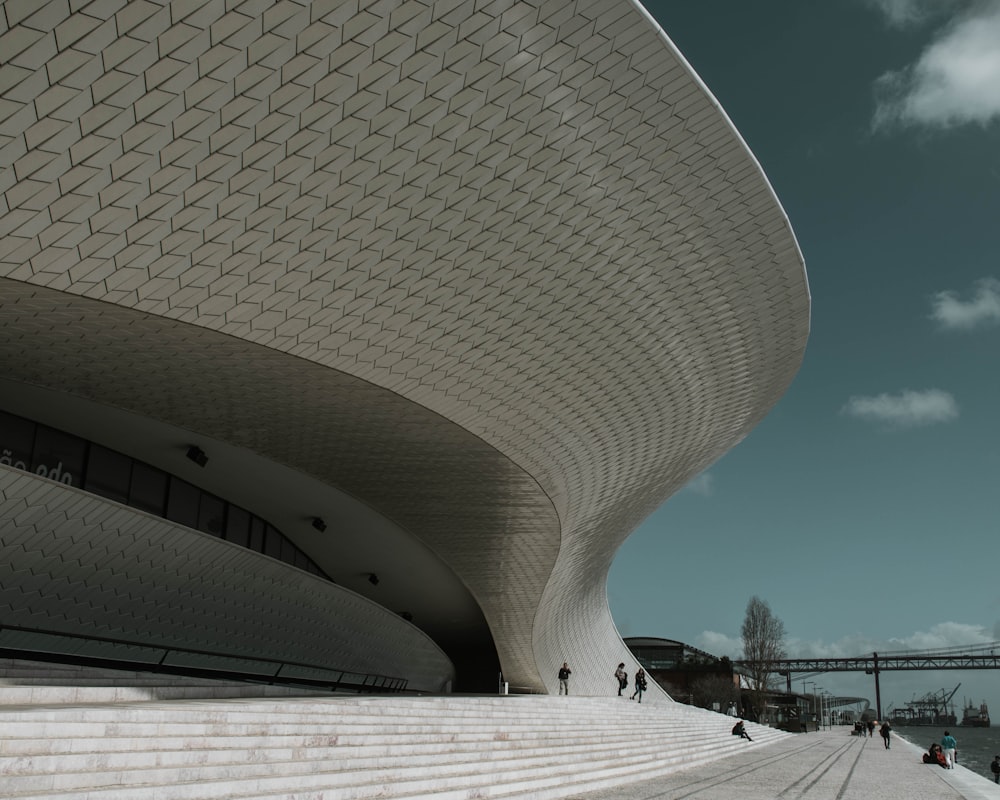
x,y
361,751
352,748
248,779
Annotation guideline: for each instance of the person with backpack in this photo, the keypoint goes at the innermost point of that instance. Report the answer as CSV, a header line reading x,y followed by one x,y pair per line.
x,y
622,677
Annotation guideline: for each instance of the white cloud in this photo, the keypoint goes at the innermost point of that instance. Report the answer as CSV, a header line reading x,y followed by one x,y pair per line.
x,y
955,81
702,484
908,409
982,309
941,636
719,644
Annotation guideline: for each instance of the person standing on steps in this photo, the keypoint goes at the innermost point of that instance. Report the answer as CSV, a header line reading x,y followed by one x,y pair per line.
x,y
640,684
949,746
622,677
884,730
564,673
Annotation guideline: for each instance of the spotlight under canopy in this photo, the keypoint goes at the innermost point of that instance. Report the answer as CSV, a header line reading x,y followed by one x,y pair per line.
x,y
197,455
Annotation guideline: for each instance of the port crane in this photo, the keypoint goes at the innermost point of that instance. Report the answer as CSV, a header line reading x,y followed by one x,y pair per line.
x,y
931,709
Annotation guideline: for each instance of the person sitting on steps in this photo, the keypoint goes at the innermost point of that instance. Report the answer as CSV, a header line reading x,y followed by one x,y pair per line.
x,y
741,731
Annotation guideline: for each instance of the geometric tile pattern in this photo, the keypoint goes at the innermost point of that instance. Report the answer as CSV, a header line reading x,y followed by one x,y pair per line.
x,y
65,553
530,219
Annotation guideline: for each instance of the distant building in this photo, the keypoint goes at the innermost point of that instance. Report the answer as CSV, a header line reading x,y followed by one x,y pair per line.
x,y
679,669
696,677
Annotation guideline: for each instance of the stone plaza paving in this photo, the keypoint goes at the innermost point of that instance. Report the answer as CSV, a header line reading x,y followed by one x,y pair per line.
x,y
830,765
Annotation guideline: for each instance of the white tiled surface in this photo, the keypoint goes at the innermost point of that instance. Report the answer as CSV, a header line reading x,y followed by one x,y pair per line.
x,y
527,218
73,563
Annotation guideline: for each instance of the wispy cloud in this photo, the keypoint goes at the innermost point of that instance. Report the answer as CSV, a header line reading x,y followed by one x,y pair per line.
x,y
909,13
982,309
940,636
701,484
956,79
908,409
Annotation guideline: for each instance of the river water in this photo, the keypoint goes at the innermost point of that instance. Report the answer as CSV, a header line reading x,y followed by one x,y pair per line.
x,y
976,746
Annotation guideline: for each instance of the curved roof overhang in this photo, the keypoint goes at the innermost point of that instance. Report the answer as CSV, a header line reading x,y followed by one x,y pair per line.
x,y
514,253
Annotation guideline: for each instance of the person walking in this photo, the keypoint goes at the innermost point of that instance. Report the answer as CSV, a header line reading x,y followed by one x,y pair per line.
x,y
949,746
622,677
640,684
885,730
564,673
995,769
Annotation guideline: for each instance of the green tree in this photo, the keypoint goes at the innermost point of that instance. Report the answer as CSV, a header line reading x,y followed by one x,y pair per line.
x,y
763,645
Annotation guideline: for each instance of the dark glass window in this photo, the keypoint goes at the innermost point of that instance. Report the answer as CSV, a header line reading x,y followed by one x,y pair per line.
x,y
211,514
58,456
257,534
182,502
108,473
272,543
69,459
238,526
149,489
17,438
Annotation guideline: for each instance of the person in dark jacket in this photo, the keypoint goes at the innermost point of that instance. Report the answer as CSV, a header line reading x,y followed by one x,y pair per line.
x,y
564,673
935,756
640,684
740,730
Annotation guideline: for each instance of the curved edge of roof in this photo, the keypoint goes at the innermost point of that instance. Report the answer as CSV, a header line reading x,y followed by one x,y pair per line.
x,y
732,126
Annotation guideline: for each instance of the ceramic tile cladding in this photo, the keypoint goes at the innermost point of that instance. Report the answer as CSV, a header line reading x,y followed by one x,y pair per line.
x,y
524,231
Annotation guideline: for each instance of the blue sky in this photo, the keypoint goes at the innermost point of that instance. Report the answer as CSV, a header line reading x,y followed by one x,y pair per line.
x,y
865,509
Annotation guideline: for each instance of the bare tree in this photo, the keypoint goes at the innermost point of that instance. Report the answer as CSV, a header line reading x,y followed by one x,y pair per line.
x,y
763,645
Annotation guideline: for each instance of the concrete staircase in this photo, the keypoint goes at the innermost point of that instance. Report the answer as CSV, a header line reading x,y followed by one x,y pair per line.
x,y
33,683
350,748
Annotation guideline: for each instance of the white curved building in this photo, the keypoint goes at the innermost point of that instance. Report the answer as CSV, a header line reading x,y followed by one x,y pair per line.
x,y
474,286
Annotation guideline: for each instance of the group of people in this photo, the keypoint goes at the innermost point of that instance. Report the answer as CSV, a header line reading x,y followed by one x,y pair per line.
x,y
640,681
884,730
621,676
945,753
